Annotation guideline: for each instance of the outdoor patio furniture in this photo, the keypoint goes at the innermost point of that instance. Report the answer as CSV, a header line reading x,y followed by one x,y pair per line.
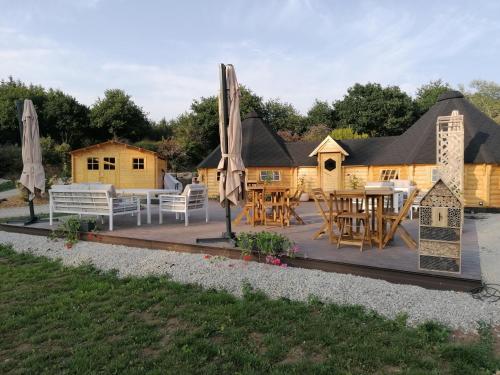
x,y
91,199
321,202
275,206
350,216
148,194
395,219
294,203
193,198
375,203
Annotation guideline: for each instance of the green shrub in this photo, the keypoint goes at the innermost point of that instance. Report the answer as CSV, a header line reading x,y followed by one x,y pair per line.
x,y
11,161
266,243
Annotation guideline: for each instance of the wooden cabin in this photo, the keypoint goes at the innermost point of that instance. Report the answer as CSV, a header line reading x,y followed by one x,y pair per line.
x,y
117,163
332,164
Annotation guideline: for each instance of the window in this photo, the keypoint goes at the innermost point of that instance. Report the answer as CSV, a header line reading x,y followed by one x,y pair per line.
x,y
330,165
270,176
218,175
389,174
138,163
92,164
434,175
109,164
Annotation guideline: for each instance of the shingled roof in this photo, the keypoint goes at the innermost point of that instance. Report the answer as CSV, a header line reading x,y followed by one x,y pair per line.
x,y
262,147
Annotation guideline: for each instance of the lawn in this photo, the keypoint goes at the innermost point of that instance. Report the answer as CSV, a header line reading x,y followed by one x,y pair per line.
x,y
55,319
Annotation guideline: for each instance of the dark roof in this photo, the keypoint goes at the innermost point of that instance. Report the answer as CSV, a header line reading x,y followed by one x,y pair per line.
x,y
262,147
300,151
418,144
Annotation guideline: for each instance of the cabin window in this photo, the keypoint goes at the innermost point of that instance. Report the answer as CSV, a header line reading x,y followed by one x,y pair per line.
x,y
270,176
330,165
218,175
109,164
138,163
434,175
389,174
92,164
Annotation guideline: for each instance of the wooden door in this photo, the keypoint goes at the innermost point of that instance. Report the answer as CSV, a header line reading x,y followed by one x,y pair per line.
x,y
330,169
109,170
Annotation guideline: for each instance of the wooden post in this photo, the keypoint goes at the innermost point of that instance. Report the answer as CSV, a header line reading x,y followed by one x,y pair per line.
x,y
487,183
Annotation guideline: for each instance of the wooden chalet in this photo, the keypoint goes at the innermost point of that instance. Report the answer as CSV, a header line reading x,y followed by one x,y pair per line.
x,y
332,164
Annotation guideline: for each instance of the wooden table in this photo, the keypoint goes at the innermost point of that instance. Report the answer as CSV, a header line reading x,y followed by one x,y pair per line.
x,y
279,201
375,196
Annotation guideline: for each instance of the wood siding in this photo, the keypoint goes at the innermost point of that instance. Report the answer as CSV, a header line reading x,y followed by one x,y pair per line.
x,y
481,181
123,176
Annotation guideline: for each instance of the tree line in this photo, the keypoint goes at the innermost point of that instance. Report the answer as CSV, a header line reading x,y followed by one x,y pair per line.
x,y
366,110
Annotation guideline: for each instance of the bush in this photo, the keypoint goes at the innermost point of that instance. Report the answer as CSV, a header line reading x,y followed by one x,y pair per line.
x,y
266,244
11,161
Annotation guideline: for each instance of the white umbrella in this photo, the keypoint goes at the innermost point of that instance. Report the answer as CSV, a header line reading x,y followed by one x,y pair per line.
x,y
33,176
230,185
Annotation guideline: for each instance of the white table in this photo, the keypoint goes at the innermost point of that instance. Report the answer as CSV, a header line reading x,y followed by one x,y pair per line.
x,y
148,193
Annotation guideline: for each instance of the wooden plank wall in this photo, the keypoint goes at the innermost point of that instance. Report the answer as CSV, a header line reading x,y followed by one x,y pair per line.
x,y
481,181
123,176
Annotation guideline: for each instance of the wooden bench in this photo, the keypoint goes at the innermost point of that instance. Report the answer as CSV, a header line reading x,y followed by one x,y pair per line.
x,y
91,199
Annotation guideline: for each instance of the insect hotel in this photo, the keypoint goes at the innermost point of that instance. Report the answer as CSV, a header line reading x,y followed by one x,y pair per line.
x,y
440,230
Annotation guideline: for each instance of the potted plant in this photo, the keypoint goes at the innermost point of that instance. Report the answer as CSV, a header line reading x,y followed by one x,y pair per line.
x,y
69,230
87,225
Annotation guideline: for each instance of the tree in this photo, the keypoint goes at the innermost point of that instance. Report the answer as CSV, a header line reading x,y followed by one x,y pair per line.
x,y
486,96
375,110
10,91
116,115
321,113
172,151
428,94
283,116
67,121
347,133
316,132
288,136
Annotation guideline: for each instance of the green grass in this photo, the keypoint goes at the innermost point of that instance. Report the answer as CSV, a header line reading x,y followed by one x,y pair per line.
x,y
55,319
7,185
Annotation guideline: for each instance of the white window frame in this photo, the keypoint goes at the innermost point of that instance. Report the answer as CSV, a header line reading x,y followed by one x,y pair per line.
x,y
143,164
389,174
94,161
276,175
111,165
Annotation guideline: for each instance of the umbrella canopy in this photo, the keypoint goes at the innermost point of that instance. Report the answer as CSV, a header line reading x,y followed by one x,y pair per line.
x,y
33,175
230,185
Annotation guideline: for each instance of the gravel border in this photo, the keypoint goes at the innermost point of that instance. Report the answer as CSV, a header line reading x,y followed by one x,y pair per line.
x,y
454,309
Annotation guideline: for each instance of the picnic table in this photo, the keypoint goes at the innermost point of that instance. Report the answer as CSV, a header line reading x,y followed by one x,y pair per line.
x,y
149,194
374,203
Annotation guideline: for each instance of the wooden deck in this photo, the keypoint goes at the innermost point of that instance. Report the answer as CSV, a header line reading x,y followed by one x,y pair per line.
x,y
396,263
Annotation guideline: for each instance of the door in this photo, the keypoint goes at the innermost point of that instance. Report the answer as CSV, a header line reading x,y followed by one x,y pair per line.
x,y
330,168
109,171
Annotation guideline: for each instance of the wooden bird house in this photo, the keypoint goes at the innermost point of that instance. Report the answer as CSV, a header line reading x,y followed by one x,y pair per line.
x,y
440,229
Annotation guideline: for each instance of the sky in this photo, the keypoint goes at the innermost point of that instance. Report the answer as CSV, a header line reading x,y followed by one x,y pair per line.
x,y
166,53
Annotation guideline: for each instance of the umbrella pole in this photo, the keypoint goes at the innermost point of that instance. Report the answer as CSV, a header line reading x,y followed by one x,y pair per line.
x,y
228,235
19,108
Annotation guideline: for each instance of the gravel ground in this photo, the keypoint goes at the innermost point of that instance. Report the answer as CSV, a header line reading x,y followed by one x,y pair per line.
x,y
488,233
457,310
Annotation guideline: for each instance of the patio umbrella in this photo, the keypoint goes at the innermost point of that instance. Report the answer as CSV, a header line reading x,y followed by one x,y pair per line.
x,y
231,165
33,176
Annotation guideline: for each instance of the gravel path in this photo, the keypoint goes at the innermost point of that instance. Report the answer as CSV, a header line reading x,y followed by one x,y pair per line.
x,y
457,310
488,229
8,193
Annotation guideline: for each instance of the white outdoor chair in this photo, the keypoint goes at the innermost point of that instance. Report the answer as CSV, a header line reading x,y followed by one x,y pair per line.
x,y
193,198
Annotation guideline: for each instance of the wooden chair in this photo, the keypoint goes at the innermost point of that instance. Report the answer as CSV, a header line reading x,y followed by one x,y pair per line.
x,y
277,201
294,203
395,220
350,216
321,202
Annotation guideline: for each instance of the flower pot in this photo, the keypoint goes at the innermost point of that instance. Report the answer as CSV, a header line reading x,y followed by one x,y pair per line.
x,y
247,258
304,197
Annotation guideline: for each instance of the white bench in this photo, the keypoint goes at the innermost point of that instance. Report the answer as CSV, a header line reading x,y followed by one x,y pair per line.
x,y
92,199
193,198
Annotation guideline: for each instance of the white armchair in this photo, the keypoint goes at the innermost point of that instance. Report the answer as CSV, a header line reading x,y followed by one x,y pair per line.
x,y
193,198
